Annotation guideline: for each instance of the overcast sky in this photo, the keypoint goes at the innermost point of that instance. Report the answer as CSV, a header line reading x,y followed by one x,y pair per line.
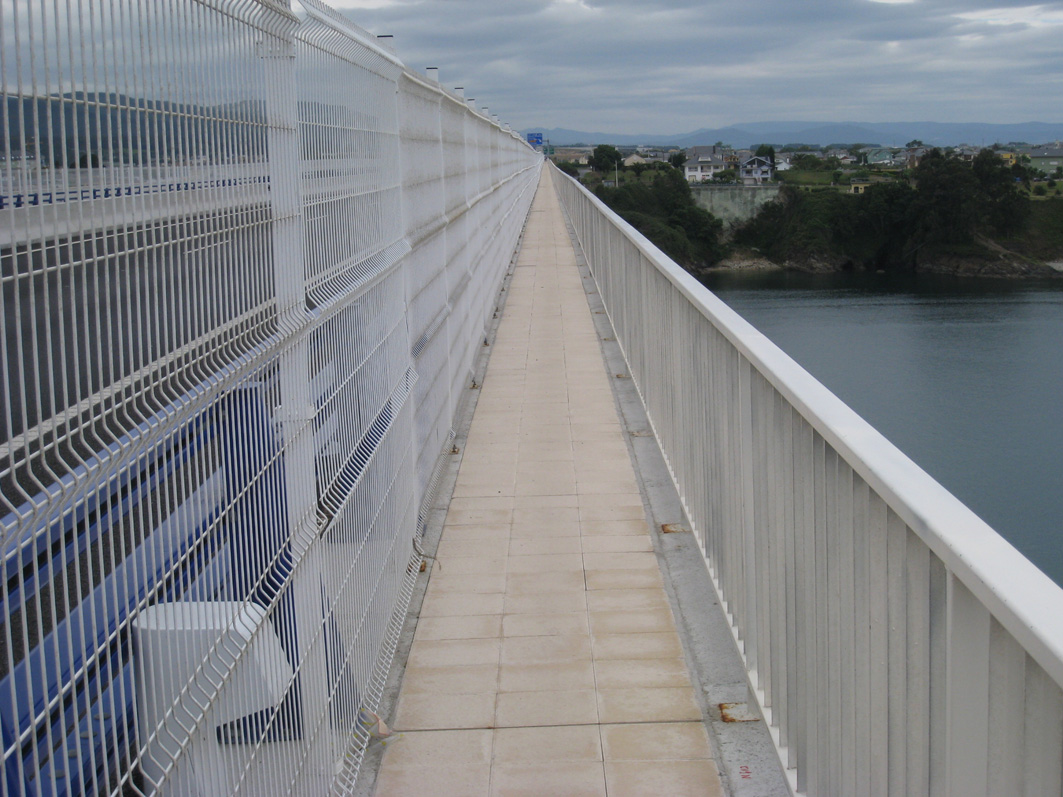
x,y
672,66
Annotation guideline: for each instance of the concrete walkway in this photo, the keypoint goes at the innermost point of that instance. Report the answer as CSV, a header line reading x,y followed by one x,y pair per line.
x,y
546,659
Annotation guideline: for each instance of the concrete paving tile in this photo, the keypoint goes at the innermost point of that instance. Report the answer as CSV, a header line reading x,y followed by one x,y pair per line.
x,y
440,749
524,583
546,563
636,646
632,621
525,709
647,673
612,528
559,602
639,778
530,529
476,626
664,741
435,711
533,502
639,704
604,600
604,486
563,675
622,543
480,503
488,489
620,579
623,504
539,745
483,548
546,485
479,517
598,470
485,532
461,679
610,512
468,780
514,625
546,649
539,546
541,469
546,515
467,565
621,561
442,581
557,779
608,430
453,652
462,604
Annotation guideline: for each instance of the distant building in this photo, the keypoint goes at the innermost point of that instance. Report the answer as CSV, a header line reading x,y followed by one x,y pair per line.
x,y
858,186
878,156
914,155
756,170
1046,159
704,163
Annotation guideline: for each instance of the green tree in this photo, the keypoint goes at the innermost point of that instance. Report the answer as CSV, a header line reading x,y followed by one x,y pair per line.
x,y
569,168
949,203
605,158
806,162
665,212
677,159
1005,210
766,151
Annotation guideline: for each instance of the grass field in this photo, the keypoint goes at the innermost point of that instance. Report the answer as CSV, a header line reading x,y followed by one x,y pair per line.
x,y
795,177
1043,236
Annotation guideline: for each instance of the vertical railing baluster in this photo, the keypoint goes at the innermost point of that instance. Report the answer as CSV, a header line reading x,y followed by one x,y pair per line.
x,y
967,692
878,646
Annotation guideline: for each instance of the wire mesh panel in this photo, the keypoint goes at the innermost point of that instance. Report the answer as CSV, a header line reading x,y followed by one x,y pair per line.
x,y
216,219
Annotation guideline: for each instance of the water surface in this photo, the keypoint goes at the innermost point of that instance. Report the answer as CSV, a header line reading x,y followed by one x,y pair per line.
x,y
963,375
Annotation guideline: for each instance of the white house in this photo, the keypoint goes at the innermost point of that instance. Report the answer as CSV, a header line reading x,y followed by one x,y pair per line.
x,y
756,170
704,163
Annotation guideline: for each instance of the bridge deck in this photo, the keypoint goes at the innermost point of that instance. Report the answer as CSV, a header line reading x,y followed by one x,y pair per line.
x,y
546,658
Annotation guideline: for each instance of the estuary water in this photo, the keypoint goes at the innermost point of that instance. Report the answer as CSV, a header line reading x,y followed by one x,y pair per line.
x,y
963,375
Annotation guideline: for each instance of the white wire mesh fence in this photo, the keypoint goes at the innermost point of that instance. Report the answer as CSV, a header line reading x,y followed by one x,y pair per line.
x,y
246,260
897,644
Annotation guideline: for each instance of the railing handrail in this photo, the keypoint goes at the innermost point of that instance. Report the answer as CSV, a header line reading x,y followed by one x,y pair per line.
x,y
1026,602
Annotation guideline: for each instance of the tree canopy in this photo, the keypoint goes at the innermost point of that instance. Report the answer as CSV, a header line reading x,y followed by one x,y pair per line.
x,y
894,225
605,158
665,212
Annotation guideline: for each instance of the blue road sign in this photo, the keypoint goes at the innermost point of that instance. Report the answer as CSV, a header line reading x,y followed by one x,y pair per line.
x,y
535,139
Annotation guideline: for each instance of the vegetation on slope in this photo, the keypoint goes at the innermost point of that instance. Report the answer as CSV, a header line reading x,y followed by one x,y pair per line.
x,y
662,208
955,210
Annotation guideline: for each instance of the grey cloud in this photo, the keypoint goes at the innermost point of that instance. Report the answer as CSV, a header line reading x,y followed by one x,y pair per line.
x,y
676,65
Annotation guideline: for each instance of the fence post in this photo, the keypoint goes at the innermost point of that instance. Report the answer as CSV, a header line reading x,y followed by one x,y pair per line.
x,y
967,698
297,410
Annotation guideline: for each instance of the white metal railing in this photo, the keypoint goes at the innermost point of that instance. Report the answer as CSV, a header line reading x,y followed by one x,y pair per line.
x,y
896,643
247,259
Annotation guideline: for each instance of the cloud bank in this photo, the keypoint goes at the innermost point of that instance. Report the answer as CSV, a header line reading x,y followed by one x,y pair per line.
x,y
677,65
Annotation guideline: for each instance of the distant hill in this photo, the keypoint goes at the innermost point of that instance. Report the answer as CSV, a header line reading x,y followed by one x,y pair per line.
x,y
887,134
